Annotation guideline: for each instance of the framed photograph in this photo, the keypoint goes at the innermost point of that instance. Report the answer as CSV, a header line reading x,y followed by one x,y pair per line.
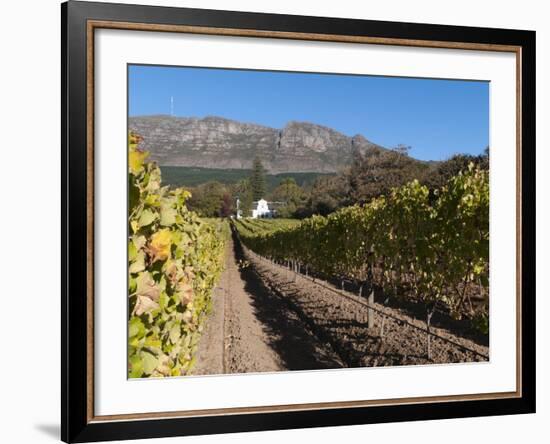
x,y
275,221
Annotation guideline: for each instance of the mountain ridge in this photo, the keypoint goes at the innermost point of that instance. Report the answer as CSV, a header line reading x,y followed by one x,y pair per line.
x,y
221,143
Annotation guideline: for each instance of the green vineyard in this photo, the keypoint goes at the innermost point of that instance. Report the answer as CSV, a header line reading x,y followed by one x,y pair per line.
x,y
413,244
432,248
175,259
253,227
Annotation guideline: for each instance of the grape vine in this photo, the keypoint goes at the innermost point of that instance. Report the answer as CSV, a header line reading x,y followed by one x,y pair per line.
x,y
411,244
175,259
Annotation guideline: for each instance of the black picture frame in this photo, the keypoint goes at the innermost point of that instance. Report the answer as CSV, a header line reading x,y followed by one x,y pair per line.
x,y
76,423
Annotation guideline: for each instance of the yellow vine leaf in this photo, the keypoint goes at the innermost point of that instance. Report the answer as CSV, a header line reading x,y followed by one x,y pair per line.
x,y
136,159
159,247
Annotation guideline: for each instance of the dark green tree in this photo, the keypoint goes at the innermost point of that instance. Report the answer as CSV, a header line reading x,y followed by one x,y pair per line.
x,y
207,199
327,194
289,196
376,171
441,172
257,180
243,192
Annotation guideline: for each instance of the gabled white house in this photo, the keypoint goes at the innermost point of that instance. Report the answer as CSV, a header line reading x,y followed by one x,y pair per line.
x,y
262,210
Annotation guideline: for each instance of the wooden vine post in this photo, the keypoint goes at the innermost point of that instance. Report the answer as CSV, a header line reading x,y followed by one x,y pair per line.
x,y
429,315
370,311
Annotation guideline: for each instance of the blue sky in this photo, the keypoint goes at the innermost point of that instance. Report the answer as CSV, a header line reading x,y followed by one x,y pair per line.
x,y
437,118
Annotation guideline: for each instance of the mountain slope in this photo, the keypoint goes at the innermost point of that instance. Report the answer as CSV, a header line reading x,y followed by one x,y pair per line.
x,y
215,142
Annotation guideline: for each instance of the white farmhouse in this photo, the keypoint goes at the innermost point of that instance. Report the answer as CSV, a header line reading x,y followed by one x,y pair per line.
x,y
262,210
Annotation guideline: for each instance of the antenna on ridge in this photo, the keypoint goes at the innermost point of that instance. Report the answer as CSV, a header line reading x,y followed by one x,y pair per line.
x,y
172,106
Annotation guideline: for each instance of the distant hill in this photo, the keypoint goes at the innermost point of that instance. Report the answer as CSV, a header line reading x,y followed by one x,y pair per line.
x,y
218,143
177,176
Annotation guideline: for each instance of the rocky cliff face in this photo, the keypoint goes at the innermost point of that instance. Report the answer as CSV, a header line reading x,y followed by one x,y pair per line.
x,y
214,142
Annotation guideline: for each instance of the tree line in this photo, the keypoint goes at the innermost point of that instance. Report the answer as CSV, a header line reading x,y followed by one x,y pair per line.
x,y
372,173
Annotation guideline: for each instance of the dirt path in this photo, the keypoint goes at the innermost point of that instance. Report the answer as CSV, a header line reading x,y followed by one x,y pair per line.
x,y
253,329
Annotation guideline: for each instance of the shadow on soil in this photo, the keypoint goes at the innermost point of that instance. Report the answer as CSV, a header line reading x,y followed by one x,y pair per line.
x,y
416,310
288,335
372,351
